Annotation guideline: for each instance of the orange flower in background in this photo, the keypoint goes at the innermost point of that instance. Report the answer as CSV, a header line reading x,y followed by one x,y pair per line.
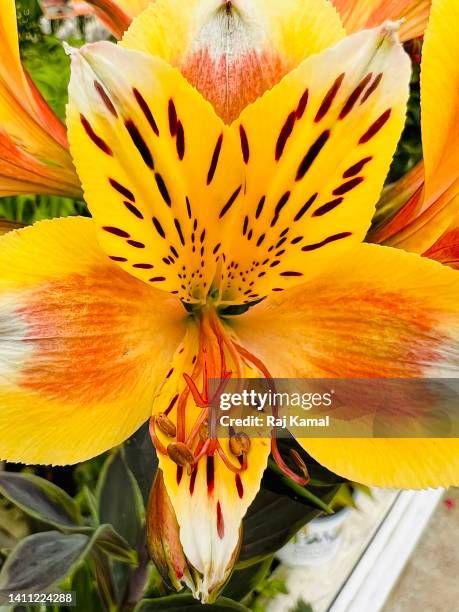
x,y
359,14
427,197
231,155
34,154
355,14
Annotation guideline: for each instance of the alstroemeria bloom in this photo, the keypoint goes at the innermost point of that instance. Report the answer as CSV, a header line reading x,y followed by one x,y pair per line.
x,y
355,14
427,197
190,210
34,154
359,14
116,15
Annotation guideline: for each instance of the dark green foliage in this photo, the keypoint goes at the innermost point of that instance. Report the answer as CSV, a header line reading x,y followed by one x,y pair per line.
x,y
95,539
409,150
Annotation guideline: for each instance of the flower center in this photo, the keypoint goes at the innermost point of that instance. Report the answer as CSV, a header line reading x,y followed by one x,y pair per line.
x,y
219,357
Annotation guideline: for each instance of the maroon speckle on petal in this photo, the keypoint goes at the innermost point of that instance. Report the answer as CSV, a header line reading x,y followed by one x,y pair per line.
x,y
220,522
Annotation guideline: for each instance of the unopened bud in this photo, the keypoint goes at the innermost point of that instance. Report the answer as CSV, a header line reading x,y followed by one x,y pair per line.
x,y
165,425
163,539
180,453
239,444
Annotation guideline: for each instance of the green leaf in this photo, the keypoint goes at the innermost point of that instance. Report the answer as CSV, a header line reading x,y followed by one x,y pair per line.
x,y
141,459
244,581
49,67
278,511
40,499
176,603
91,502
119,499
30,208
109,541
300,490
120,504
41,561
104,579
87,595
344,498
302,606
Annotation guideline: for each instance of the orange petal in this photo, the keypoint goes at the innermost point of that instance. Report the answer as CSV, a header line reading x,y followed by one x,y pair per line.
x,y
428,214
6,226
399,205
32,130
381,312
232,52
446,248
440,98
117,15
360,14
83,345
22,173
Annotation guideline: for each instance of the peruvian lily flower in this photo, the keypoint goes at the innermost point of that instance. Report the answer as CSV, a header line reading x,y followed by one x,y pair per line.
x,y
206,197
427,198
358,14
63,9
116,15
34,154
355,14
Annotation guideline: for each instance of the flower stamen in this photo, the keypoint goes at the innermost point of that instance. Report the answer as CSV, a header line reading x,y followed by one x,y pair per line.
x,y
215,346
154,438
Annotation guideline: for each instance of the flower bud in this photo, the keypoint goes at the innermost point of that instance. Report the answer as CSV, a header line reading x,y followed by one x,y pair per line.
x,y
163,539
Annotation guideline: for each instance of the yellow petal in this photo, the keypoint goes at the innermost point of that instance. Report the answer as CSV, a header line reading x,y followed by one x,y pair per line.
x,y
83,345
317,148
360,14
402,463
131,7
211,499
381,312
156,163
232,52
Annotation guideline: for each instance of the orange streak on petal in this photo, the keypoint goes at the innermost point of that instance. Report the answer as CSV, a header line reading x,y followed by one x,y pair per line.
x,y
361,14
446,249
230,85
22,173
87,336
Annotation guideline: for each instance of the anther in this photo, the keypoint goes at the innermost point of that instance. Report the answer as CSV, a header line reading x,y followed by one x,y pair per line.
x,y
204,432
180,453
239,444
166,425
